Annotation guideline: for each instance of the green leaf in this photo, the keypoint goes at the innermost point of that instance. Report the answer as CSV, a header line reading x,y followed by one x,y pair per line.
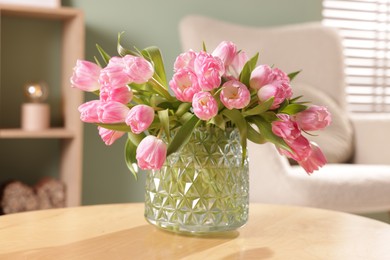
x,y
183,108
158,88
166,105
247,70
293,109
154,54
97,62
238,119
130,158
163,115
260,108
269,116
185,117
204,46
292,75
136,87
293,100
218,121
183,135
106,58
158,101
284,104
136,138
254,136
265,129
96,92
122,127
123,51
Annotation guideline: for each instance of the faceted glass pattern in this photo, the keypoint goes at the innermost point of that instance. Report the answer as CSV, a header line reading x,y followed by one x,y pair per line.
x,y
202,188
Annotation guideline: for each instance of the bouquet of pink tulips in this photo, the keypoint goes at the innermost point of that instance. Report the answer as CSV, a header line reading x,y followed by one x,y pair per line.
x,y
217,89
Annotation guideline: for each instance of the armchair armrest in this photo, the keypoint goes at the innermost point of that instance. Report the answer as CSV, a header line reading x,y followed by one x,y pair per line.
x,y
372,138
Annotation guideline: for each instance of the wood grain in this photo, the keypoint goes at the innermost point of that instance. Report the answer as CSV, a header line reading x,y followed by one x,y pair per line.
x,y
120,232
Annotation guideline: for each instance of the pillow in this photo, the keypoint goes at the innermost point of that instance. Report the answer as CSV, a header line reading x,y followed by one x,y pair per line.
x,y
336,141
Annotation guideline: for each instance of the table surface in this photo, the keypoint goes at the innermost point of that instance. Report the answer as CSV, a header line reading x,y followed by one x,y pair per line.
x,y
119,231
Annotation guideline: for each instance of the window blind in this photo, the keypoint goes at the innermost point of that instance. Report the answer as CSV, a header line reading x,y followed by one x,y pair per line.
x,y
365,28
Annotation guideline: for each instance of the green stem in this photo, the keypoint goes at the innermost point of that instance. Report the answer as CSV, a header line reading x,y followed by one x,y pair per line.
x,y
162,90
137,100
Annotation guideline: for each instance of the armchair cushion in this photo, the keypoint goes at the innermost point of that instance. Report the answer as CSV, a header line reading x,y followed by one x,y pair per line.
x,y
356,188
336,141
371,133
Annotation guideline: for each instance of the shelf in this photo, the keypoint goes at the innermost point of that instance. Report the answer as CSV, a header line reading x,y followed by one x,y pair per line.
x,y
61,13
48,133
71,31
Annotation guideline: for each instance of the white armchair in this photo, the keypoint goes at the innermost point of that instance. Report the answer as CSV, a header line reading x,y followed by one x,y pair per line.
x,y
357,178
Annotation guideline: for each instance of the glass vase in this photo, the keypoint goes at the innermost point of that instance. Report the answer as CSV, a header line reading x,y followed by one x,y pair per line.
x,y
202,188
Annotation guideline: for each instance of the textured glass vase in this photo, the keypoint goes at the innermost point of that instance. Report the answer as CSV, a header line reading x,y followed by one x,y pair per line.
x,y
202,188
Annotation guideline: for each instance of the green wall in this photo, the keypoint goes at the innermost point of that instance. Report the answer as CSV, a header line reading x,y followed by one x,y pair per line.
x,y
30,52
145,23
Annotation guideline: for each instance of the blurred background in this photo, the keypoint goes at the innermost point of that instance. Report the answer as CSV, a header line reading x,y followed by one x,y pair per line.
x,y
144,23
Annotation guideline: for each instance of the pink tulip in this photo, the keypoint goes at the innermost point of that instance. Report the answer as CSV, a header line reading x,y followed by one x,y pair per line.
x,y
85,76
278,92
226,51
265,75
279,75
184,84
139,118
89,111
285,128
109,136
151,153
112,112
204,105
185,61
300,147
114,74
120,94
281,79
314,118
315,161
138,69
261,76
288,129
234,69
209,71
234,94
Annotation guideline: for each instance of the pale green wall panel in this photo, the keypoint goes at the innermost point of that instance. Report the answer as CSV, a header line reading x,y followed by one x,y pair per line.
x,y
145,23
30,52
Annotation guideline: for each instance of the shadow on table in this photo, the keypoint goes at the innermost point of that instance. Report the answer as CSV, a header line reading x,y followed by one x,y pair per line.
x,y
142,242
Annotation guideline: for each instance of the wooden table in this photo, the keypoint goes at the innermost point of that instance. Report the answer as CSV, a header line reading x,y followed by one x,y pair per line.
x,y
119,231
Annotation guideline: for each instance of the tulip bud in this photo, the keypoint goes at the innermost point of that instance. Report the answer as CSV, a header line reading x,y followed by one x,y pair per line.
x,y
314,118
226,51
85,76
184,84
139,118
235,94
138,69
204,105
112,112
109,136
89,111
151,153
